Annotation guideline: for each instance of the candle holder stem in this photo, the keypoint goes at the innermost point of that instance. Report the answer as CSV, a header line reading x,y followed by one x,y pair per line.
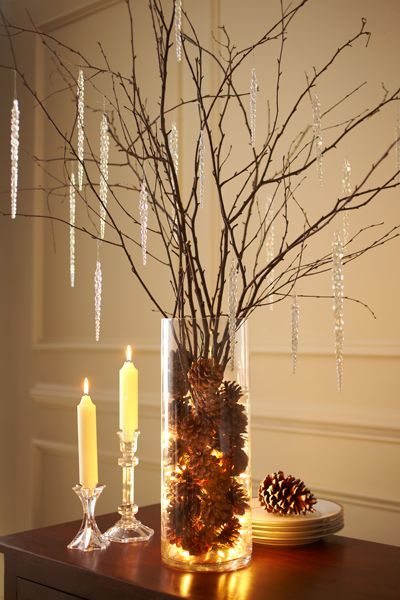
x,y
89,536
128,529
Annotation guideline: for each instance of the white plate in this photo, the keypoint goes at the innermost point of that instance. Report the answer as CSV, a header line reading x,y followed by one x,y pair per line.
x,y
324,511
298,536
273,533
309,526
298,541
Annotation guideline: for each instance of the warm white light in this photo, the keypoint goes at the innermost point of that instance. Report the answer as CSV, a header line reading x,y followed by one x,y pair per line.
x,y
86,386
128,354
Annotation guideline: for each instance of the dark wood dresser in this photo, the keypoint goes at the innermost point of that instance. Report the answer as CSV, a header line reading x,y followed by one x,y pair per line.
x,y
38,566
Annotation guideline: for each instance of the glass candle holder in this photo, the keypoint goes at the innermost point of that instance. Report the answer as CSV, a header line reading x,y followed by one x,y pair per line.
x,y
89,536
128,529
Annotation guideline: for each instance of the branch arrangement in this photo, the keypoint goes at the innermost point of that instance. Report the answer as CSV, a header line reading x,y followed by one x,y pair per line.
x,y
261,196
267,229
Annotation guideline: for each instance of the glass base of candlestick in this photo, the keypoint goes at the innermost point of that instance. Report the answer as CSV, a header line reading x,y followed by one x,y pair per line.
x,y
89,536
128,530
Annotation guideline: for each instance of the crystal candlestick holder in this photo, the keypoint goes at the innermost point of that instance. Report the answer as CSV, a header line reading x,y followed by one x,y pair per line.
x,y
89,536
128,529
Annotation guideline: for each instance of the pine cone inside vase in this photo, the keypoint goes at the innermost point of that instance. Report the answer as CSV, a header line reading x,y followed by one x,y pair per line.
x,y
238,498
205,376
206,452
230,393
180,361
285,495
229,533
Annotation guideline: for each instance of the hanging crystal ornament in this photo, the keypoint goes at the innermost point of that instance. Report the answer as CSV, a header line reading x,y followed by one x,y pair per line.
x,y
72,184
80,125
178,29
253,106
143,212
317,128
270,245
97,293
295,330
104,148
173,142
201,168
338,305
346,191
232,299
14,156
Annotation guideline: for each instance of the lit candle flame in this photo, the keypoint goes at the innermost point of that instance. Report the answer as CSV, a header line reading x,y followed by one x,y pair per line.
x,y
86,386
128,354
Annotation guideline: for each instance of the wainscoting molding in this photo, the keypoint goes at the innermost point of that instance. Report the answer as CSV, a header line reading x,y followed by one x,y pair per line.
x,y
62,449
74,15
352,351
62,396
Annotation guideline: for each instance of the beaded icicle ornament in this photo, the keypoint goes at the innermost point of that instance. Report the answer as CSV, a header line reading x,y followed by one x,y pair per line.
x,y
178,29
80,126
295,330
98,279
232,298
317,129
72,211
253,106
338,305
103,192
173,142
270,245
14,156
346,191
143,215
201,167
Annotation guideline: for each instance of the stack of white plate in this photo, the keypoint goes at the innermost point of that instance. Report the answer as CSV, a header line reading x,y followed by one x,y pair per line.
x,y
294,530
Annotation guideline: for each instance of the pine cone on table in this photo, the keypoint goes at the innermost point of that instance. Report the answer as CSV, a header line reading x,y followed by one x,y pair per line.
x,y
285,495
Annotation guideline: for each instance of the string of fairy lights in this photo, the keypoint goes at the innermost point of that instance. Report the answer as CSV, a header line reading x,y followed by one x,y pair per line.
x,y
76,183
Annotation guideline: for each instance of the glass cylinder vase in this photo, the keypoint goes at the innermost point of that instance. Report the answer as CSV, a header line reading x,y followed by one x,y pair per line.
x,y
206,482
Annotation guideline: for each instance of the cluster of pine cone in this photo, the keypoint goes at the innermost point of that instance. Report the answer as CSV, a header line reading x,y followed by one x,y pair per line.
x,y
206,455
285,495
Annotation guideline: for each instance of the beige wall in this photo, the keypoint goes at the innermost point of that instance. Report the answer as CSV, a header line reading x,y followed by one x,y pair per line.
x,y
345,446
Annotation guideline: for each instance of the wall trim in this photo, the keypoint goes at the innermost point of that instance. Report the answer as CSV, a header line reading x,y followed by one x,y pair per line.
x,y
367,431
370,502
370,430
105,456
66,397
351,351
43,345
72,16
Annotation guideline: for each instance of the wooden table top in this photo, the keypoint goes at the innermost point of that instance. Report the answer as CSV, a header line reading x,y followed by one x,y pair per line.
x,y
337,568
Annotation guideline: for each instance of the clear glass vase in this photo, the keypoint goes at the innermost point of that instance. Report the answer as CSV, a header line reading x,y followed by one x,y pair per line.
x,y
206,482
